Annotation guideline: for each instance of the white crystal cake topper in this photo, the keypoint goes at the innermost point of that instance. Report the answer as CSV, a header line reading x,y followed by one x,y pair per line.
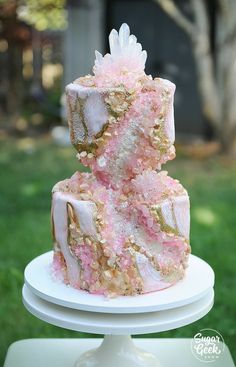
x,y
126,55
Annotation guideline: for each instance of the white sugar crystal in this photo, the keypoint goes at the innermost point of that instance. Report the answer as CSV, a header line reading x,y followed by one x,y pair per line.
x,y
122,44
102,161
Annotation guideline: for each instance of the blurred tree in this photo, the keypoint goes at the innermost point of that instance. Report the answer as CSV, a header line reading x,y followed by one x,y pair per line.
x,y
16,35
43,14
21,22
216,66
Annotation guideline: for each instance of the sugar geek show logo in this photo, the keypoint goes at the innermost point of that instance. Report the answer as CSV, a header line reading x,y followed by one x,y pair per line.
x,y
207,345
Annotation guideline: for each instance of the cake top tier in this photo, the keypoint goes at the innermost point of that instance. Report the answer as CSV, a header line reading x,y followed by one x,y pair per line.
x,y
121,120
124,65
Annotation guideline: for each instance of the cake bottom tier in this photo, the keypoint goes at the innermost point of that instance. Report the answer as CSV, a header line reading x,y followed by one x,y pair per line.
x,y
120,242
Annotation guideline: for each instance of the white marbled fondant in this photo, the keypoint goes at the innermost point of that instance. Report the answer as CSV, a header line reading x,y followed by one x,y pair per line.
x,y
152,279
176,214
93,112
85,212
60,224
182,215
169,119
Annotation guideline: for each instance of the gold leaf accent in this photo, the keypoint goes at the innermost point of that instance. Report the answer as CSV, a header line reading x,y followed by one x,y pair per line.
x,y
72,224
156,211
80,110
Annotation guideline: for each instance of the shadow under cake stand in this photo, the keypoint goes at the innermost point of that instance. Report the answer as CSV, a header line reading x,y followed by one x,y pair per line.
x,y
118,318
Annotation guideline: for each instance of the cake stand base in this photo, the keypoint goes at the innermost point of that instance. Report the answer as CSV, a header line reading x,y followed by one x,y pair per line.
x,y
117,350
116,324
65,352
118,318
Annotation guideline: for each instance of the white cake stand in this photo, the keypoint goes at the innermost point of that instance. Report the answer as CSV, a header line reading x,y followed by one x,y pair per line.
x,y
117,318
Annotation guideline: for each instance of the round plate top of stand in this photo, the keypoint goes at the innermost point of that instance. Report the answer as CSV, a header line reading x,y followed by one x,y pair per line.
x,y
116,323
198,280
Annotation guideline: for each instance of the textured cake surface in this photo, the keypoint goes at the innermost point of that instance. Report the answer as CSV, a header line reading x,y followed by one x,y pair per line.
x,y
122,229
120,132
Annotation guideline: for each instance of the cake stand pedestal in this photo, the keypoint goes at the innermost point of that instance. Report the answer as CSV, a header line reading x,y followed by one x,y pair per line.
x,y
117,318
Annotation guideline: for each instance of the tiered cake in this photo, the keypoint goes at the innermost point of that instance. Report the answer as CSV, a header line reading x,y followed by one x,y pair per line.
x,y
122,229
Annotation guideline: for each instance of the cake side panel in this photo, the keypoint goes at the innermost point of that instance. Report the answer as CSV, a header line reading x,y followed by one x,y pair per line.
x,y
118,132
64,260
90,249
161,210
116,243
74,227
87,114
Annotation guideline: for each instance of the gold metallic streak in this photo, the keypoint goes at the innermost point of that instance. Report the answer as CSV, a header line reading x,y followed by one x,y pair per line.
x,y
156,211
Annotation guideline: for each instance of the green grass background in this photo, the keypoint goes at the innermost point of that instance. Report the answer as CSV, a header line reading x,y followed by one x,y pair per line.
x,y
29,169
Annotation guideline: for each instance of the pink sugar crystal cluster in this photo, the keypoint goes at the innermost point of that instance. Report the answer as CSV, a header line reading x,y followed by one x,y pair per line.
x,y
122,229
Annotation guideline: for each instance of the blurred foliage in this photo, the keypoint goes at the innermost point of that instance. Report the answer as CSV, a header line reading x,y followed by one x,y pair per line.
x,y
31,167
40,115
42,14
24,66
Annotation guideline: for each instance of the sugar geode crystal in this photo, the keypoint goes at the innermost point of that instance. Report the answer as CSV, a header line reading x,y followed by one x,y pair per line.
x,y
124,228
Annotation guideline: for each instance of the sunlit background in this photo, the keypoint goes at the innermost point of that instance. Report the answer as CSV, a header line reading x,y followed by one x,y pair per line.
x,y
45,44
